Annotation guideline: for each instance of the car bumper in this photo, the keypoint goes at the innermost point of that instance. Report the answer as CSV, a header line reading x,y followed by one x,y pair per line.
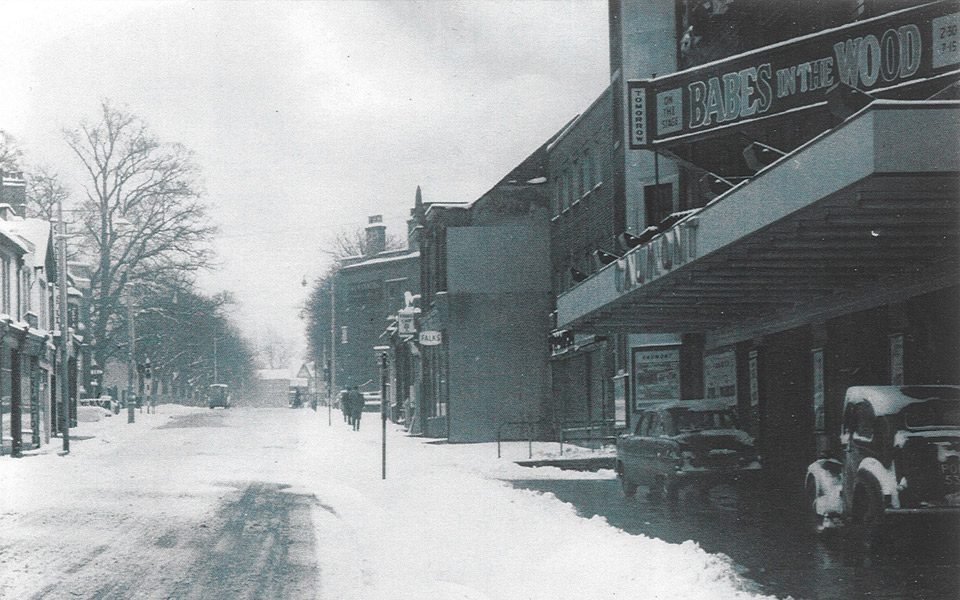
x,y
716,475
941,511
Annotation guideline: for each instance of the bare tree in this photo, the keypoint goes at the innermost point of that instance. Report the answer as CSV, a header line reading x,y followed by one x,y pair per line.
x,y
142,219
44,191
275,351
10,153
353,243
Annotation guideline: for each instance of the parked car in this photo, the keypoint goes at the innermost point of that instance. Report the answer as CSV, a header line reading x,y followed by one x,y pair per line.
x,y
681,443
371,401
899,455
217,395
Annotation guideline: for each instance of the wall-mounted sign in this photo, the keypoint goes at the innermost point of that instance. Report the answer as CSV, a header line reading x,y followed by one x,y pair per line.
x,y
753,421
819,409
430,338
872,55
720,375
665,252
896,359
656,375
406,322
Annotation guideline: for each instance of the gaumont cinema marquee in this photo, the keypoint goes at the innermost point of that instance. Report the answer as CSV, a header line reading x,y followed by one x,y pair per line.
x,y
876,55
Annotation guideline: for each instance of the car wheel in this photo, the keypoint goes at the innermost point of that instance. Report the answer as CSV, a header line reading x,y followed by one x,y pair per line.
x,y
867,511
664,489
811,495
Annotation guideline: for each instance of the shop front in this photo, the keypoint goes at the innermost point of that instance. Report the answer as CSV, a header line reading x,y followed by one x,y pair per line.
x,y
834,266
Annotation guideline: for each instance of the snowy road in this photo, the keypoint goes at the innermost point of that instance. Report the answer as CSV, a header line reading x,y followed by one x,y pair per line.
x,y
274,503
774,543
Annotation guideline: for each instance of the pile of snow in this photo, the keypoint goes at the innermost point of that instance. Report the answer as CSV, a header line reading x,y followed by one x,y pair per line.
x,y
442,525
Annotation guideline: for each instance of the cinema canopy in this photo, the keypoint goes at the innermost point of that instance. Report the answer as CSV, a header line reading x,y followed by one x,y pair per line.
x,y
863,214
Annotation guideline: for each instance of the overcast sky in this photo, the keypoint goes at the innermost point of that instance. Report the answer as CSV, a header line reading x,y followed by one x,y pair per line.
x,y
307,117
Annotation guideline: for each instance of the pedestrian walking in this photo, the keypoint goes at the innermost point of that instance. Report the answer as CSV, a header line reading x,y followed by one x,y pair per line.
x,y
345,406
356,403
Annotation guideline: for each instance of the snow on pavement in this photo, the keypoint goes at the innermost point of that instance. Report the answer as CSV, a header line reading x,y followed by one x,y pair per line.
x,y
444,524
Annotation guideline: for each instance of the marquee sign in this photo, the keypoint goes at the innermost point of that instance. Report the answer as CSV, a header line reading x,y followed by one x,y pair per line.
x,y
873,55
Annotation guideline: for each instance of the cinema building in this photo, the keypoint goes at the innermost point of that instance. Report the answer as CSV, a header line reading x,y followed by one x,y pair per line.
x,y
810,187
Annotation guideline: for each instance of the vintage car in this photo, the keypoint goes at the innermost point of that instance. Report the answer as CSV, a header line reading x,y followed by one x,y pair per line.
x,y
217,395
682,443
899,455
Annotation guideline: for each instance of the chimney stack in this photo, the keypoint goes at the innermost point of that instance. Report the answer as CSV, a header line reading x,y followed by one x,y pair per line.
x,y
376,236
13,191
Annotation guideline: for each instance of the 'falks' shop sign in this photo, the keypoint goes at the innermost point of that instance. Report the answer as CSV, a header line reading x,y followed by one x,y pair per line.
x,y
877,54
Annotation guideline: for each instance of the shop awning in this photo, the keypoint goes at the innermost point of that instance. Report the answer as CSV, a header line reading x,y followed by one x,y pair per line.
x,y
863,215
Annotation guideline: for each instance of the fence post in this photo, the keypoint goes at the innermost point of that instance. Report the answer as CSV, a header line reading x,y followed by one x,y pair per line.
x,y
529,440
561,438
498,441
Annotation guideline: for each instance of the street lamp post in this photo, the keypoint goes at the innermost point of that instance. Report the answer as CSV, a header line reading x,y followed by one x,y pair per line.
x,y
131,353
64,328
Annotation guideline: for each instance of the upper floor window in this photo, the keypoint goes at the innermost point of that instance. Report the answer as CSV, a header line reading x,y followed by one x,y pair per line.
x,y
6,285
562,187
658,202
570,189
586,172
558,196
578,174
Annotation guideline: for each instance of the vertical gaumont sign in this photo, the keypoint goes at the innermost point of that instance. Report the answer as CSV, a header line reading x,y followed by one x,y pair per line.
x,y
877,54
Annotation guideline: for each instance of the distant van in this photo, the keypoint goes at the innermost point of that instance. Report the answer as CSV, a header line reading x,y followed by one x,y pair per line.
x,y
217,395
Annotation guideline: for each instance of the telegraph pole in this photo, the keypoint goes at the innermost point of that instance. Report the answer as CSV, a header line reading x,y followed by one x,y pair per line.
x,y
64,328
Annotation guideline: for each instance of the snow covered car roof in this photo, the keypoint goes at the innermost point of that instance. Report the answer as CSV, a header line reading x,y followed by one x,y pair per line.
x,y
891,399
695,405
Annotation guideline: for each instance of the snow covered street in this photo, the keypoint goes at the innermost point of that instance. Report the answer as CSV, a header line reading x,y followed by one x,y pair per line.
x,y
274,503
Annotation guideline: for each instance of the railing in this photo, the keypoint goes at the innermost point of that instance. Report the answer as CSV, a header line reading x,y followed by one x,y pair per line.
x,y
604,430
561,431
529,427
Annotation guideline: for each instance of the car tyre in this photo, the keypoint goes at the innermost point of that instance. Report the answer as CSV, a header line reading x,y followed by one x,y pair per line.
x,y
664,489
867,511
811,495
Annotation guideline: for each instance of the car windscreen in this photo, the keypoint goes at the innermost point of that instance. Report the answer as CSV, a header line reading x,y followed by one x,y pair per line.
x,y
687,420
932,414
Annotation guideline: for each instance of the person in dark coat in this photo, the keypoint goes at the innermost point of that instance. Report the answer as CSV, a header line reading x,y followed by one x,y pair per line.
x,y
345,406
356,405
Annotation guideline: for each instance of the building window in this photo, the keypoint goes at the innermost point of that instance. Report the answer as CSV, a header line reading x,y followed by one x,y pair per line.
x,y
587,172
562,192
578,174
557,201
343,334
658,201
569,178
6,285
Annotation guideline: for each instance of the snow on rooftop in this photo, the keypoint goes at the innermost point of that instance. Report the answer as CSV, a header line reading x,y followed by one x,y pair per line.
x,y
891,399
383,259
273,374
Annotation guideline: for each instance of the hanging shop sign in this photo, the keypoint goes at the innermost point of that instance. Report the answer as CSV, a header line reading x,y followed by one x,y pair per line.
x,y
406,321
430,338
873,55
